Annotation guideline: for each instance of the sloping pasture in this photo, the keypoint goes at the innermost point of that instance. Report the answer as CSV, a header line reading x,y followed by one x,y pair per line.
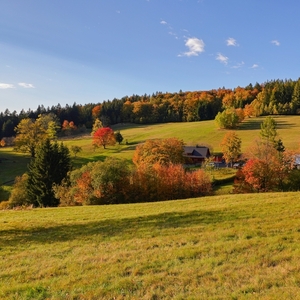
x,y
222,247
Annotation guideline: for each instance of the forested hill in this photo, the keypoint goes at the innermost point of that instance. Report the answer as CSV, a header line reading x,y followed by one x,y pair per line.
x,y
272,97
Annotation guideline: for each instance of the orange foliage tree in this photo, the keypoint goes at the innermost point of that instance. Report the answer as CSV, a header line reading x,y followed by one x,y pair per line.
x,y
160,174
103,137
167,182
96,112
68,127
267,168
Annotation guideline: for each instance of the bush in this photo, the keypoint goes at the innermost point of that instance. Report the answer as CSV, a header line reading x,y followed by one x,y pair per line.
x,y
19,196
4,205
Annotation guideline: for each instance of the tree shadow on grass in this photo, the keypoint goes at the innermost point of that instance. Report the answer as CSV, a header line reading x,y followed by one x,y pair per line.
x,y
250,124
126,228
255,124
80,161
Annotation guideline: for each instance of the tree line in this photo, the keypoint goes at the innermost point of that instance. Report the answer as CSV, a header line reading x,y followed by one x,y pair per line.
x,y
269,98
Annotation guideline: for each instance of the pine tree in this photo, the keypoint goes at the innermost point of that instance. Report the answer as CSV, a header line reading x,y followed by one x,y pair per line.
x,y
296,97
50,165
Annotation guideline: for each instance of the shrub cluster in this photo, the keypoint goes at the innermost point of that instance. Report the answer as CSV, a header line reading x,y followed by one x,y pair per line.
x,y
113,182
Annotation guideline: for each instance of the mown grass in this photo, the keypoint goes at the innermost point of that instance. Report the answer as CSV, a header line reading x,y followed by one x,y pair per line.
x,y
222,247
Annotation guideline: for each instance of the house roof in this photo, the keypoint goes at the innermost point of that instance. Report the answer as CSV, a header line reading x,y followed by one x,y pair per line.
x,y
198,151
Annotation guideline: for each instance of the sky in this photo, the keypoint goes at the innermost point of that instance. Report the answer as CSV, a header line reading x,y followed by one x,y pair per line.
x,y
88,51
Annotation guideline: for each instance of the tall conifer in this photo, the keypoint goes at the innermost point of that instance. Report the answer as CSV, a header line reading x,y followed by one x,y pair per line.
x,y
51,165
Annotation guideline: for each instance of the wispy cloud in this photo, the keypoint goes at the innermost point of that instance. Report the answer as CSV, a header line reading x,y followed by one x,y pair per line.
x,y
275,42
173,34
231,42
222,58
4,86
195,46
26,85
254,66
163,22
238,65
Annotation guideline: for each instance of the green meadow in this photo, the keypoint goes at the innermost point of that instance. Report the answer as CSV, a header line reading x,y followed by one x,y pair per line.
x,y
221,247
217,247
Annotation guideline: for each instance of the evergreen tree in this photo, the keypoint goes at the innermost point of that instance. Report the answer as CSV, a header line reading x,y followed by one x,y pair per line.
x,y
119,137
8,128
50,166
296,97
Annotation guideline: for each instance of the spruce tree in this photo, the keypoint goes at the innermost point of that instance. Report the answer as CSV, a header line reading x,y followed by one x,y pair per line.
x,y
50,165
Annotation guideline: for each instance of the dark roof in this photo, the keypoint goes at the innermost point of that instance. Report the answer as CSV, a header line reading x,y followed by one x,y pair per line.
x,y
198,151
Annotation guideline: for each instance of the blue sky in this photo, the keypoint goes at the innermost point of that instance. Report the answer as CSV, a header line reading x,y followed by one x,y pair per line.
x,y
87,51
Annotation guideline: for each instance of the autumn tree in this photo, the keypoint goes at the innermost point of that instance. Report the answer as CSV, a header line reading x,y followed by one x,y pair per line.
x,y
50,123
50,166
261,175
111,181
97,183
231,147
97,125
32,132
248,111
96,112
228,119
29,134
103,137
68,127
18,196
166,182
267,169
162,151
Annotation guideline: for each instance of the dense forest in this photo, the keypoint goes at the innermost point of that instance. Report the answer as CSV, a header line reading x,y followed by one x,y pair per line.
x,y
270,98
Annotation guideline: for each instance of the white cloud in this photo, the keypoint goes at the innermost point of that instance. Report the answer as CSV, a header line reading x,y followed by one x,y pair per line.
x,y
195,46
163,22
254,66
238,65
275,42
26,85
223,59
231,42
6,86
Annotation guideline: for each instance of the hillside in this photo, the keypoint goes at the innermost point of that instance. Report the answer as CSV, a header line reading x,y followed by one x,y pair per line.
x,y
192,133
226,247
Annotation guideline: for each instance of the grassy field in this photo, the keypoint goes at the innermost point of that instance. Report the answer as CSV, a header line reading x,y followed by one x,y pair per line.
x,y
222,247
194,133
